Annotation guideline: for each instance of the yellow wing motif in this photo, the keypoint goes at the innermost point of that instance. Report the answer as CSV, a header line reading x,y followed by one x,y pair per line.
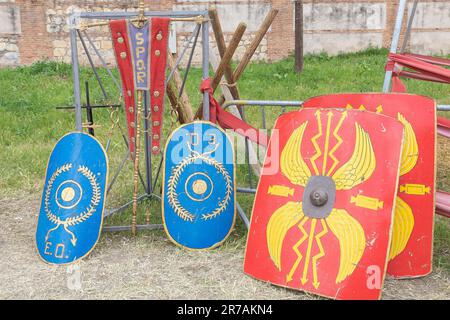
x,y
352,241
292,164
360,166
410,149
402,229
283,219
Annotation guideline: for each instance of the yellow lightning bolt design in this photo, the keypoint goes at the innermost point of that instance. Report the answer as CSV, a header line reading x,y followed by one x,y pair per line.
x,y
321,253
379,109
338,144
290,276
316,146
308,251
327,142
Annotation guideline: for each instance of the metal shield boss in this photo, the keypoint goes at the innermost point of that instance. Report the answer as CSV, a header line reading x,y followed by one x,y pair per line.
x,y
324,204
71,212
411,252
198,186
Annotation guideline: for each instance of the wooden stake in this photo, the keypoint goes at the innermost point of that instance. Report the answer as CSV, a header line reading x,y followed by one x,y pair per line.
x,y
252,48
230,92
229,52
221,46
298,35
253,157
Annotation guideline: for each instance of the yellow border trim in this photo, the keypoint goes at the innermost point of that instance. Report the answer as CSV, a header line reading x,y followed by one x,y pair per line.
x,y
103,208
164,183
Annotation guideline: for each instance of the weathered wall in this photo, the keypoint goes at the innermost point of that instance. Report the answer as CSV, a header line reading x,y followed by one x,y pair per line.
x,y
431,27
10,29
38,29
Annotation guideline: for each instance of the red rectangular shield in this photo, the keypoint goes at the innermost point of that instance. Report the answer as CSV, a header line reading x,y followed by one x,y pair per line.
x,y
324,205
412,244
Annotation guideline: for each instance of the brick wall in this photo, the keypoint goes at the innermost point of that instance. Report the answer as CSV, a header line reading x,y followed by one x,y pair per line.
x,y
37,29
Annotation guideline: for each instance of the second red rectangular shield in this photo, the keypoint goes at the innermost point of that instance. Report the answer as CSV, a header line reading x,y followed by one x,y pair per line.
x,y
323,210
412,244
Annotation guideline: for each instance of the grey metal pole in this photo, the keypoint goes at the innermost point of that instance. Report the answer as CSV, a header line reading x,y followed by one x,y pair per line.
x,y
205,66
91,62
263,103
242,215
395,40
443,107
409,26
76,75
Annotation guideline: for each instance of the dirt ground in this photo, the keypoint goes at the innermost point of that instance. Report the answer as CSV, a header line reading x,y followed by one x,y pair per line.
x,y
147,268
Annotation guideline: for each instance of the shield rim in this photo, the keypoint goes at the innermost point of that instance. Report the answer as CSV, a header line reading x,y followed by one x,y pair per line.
x,y
384,271
42,195
217,244
435,161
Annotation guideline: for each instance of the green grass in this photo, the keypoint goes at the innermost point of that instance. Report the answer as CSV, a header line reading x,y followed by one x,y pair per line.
x,y
30,125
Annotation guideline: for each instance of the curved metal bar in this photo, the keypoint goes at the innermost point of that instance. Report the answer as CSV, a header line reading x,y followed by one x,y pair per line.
x,y
246,190
128,14
280,103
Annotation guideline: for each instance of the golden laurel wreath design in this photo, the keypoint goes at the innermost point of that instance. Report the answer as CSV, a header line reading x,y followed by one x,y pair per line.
x,y
173,182
83,216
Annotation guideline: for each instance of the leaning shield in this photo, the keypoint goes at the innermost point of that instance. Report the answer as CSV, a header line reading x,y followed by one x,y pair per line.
x,y
323,209
70,216
411,251
198,186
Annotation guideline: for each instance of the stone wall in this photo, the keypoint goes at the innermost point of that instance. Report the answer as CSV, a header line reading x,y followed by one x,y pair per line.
x,y
10,29
38,29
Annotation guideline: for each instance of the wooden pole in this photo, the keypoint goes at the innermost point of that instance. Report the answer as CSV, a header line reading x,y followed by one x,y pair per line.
x,y
231,91
221,46
252,48
228,55
253,157
218,32
298,35
229,52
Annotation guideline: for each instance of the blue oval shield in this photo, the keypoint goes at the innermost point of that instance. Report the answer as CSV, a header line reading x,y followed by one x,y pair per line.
x,y
71,212
198,186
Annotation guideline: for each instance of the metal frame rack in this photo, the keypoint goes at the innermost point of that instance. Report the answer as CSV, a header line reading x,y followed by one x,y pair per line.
x,y
78,32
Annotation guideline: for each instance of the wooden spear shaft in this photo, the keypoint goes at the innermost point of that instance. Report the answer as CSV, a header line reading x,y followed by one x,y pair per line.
x,y
252,48
230,92
228,55
222,47
229,52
